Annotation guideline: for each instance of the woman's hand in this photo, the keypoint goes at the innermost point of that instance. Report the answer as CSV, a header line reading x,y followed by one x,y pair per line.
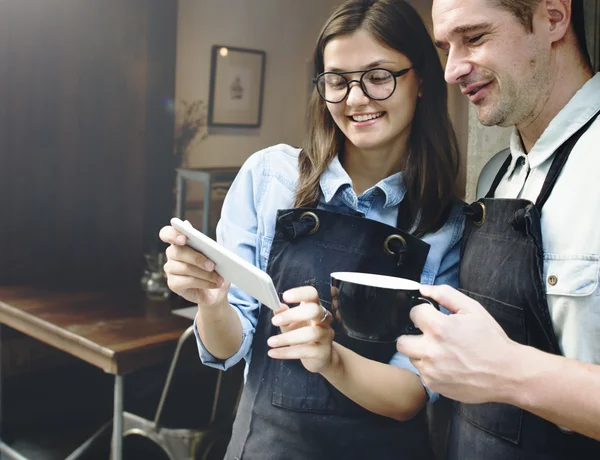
x,y
190,273
306,331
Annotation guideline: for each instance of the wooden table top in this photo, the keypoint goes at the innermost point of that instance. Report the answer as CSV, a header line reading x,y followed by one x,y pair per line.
x,y
119,332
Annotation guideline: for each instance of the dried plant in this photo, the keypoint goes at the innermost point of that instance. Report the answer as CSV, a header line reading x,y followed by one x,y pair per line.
x,y
190,128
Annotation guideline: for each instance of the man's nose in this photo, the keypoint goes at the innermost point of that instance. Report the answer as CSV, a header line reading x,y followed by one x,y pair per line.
x,y
457,66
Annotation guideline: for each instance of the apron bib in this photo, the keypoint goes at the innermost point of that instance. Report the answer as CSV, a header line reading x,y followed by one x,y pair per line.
x,y
288,413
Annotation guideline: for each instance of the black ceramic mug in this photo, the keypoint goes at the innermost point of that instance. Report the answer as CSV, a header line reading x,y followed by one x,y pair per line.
x,y
375,308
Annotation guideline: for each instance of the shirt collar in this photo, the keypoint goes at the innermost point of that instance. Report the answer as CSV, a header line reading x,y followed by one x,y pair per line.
x,y
578,111
336,180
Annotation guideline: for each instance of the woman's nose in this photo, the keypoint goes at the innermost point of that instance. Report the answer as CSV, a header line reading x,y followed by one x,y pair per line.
x,y
356,95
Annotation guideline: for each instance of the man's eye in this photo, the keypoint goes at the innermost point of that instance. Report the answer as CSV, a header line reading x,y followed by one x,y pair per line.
x,y
475,39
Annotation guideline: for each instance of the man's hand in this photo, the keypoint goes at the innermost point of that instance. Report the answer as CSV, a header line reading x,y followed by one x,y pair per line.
x,y
465,356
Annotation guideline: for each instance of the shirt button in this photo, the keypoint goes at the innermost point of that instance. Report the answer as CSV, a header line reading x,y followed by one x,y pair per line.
x,y
552,280
376,192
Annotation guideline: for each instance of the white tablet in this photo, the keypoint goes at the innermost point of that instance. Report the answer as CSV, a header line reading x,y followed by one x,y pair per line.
x,y
230,266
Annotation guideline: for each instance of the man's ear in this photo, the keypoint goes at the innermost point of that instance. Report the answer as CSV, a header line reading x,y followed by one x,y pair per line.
x,y
558,17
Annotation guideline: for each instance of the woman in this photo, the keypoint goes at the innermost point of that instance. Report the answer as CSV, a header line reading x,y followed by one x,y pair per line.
x,y
373,191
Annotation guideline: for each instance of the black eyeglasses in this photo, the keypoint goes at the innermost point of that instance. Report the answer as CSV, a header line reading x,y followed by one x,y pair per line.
x,y
378,84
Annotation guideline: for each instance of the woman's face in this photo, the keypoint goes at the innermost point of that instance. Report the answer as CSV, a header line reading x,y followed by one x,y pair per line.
x,y
369,124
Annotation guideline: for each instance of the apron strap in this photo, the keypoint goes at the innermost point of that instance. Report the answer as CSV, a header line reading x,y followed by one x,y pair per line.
x,y
501,172
560,158
403,222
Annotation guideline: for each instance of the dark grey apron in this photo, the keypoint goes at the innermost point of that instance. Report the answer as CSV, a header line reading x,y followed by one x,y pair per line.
x,y
288,413
502,268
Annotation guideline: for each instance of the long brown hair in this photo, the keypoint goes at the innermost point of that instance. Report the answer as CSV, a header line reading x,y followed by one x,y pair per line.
x,y
432,162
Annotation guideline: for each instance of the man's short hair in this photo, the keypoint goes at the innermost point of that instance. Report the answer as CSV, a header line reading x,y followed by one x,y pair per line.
x,y
523,10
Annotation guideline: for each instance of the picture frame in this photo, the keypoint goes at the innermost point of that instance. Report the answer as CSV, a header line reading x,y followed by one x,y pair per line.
x,y
236,87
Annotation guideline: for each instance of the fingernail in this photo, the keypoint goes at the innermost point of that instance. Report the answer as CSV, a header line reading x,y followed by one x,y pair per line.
x,y
276,320
272,342
180,239
220,280
209,265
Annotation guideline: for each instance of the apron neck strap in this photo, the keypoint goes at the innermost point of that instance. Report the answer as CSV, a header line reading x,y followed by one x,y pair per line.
x,y
560,158
404,221
499,176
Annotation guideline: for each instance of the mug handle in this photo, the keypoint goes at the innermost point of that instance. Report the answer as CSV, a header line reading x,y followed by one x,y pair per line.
x,y
412,329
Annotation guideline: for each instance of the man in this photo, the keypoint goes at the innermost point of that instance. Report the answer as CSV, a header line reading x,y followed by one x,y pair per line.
x,y
521,353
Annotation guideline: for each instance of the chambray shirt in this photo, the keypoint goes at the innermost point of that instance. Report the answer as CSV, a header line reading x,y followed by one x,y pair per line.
x,y
570,218
267,182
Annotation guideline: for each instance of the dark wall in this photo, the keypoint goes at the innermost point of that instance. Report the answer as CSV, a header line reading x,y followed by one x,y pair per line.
x,y
85,137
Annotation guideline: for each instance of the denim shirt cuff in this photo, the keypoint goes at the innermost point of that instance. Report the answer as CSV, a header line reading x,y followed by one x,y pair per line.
x,y
403,362
208,359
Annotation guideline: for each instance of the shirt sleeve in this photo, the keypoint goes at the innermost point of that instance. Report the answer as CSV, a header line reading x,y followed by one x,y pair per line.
x,y
447,274
237,230
449,265
403,362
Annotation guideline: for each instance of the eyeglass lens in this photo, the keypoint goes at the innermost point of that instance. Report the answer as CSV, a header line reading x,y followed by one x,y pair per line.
x,y
376,83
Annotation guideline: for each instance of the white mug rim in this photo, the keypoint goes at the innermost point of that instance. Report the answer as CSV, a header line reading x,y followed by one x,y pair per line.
x,y
379,281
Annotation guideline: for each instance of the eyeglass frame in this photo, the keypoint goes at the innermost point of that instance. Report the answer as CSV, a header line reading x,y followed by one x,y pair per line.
x,y
395,74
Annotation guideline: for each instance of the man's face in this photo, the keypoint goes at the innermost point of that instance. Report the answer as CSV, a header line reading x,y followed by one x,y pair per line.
x,y
500,66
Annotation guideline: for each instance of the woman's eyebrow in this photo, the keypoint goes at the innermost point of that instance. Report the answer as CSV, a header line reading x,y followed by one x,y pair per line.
x,y
372,65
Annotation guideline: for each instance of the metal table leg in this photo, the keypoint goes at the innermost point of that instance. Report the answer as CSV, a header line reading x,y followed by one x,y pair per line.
x,y
117,436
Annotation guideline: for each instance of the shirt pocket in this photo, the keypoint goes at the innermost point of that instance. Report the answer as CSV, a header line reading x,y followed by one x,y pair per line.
x,y
571,274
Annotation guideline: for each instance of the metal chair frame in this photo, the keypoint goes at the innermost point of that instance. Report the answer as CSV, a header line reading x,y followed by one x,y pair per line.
x,y
180,443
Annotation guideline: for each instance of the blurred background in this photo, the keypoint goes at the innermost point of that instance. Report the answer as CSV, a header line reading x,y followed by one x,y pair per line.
x,y
101,102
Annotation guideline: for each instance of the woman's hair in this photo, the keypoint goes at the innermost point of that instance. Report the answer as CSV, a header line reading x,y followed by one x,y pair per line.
x,y
432,163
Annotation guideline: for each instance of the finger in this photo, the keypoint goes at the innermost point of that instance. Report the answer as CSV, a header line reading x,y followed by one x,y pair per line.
x,y
189,256
411,346
182,283
427,318
296,352
301,294
448,297
303,312
171,236
301,336
177,268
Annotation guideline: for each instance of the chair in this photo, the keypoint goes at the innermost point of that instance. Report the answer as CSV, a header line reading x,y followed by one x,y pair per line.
x,y
194,443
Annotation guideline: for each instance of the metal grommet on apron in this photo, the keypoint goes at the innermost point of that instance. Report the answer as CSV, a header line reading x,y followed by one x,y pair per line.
x,y
476,212
395,246
480,222
311,215
386,244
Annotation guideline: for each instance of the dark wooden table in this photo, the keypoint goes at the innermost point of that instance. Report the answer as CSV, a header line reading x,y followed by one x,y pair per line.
x,y
118,331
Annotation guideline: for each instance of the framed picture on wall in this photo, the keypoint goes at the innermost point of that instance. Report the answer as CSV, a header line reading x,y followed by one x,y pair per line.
x,y
236,87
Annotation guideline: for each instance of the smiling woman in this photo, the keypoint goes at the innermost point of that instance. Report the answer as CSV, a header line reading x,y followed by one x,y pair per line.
x,y
372,191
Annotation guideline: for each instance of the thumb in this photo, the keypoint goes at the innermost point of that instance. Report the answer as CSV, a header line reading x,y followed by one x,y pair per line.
x,y
448,297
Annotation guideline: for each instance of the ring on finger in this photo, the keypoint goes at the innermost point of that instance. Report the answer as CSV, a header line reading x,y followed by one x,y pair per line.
x,y
325,314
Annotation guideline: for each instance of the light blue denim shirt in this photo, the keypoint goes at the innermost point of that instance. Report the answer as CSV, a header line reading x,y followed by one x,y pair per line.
x,y
266,183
